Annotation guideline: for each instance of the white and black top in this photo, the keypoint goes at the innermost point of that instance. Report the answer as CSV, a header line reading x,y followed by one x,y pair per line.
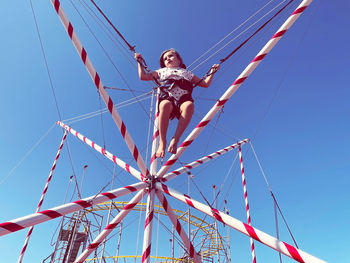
x,y
176,86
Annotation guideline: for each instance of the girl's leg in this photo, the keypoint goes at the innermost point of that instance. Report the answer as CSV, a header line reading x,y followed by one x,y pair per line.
x,y
186,110
165,108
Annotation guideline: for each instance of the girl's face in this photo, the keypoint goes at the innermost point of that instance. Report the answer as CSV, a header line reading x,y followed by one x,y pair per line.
x,y
171,60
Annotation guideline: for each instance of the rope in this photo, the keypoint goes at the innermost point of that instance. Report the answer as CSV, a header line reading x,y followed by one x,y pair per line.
x,y
259,29
191,177
107,55
45,60
213,129
73,172
27,154
273,196
282,80
109,34
210,49
96,113
239,34
51,84
132,48
243,43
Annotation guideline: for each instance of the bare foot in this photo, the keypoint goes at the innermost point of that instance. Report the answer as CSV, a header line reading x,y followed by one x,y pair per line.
x,y
161,150
172,146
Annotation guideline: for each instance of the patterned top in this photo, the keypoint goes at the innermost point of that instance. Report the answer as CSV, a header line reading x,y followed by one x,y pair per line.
x,y
175,91
174,73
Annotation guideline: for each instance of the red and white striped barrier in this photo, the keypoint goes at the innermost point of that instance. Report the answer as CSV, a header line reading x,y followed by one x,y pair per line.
x,y
147,235
104,152
246,229
202,160
100,87
246,202
113,224
236,84
177,225
43,196
58,211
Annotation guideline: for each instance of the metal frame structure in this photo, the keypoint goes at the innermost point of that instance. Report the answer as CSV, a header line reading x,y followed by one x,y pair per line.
x,y
153,182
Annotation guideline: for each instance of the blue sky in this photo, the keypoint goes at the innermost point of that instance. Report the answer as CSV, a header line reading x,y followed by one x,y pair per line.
x,y
294,107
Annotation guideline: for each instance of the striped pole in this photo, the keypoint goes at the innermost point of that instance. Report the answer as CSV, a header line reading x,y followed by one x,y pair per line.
x,y
109,228
155,140
100,87
246,202
272,242
236,84
202,160
42,196
147,235
104,152
177,225
58,211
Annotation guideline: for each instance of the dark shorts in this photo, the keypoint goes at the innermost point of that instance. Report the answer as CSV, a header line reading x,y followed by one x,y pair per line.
x,y
164,95
176,104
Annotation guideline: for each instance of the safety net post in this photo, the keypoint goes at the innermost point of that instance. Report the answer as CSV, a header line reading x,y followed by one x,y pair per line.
x,y
30,231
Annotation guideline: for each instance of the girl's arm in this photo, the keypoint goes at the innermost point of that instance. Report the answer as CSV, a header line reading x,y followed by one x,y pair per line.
x,y
205,83
143,75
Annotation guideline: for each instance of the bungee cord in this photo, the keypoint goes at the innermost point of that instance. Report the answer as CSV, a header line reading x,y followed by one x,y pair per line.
x,y
109,34
222,60
132,48
108,56
242,44
234,30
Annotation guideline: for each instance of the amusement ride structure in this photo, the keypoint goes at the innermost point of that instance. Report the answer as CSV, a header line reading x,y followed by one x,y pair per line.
x,y
82,236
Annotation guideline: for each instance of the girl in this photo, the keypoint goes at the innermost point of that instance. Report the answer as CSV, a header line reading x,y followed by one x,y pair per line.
x,y
175,97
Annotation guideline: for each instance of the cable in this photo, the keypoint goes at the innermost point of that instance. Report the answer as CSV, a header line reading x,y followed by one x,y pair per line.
x,y
110,34
51,85
107,55
273,196
228,35
98,112
27,154
132,48
244,42
45,60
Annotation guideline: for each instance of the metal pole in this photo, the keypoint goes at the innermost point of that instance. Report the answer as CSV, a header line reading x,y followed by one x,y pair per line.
x,y
172,245
272,242
216,225
228,235
233,88
189,215
119,238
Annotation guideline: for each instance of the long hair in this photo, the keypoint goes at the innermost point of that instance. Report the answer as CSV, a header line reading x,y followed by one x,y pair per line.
x,y
161,59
